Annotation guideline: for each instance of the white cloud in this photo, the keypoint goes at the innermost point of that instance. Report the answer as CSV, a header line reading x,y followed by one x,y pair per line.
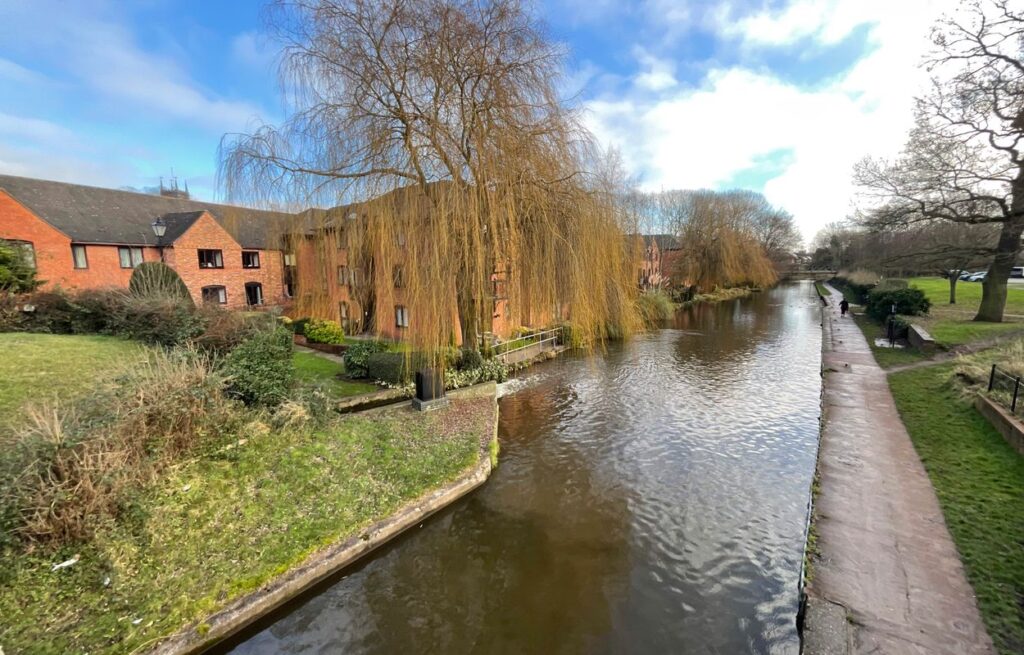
x,y
92,46
739,116
658,74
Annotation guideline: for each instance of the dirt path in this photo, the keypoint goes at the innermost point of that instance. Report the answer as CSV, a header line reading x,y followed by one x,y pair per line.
x,y
885,557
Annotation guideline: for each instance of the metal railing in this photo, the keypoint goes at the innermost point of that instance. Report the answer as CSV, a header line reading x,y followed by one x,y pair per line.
x,y
1006,386
503,350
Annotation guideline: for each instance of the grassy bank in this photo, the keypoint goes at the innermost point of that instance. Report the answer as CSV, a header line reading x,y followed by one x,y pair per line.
x,y
219,527
953,325
886,357
979,480
822,289
40,366
314,370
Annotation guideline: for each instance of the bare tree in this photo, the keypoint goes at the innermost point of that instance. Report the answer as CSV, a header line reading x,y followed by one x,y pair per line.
x,y
962,162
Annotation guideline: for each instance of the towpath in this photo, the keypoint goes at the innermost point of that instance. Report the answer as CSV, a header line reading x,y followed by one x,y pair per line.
x,y
887,576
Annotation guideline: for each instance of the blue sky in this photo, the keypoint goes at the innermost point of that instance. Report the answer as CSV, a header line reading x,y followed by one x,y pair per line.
x,y
780,97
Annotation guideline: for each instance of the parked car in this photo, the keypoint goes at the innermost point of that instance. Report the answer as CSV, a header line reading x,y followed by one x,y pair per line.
x,y
1017,271
966,274
978,277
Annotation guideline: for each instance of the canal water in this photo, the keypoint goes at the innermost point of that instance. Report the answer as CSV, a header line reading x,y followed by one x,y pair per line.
x,y
650,499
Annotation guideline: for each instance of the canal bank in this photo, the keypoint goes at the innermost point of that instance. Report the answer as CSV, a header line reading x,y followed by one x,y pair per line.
x,y
651,498
885,574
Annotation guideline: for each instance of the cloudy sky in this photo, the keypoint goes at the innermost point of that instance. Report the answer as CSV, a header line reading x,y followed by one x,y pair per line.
x,y
780,97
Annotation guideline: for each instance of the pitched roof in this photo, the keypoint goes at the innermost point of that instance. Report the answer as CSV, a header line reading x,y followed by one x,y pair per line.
x,y
89,214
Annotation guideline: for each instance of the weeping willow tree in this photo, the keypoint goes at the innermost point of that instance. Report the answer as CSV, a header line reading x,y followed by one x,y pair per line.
x,y
719,238
455,175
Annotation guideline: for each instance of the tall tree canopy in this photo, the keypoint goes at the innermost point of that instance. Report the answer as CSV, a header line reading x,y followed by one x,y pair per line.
x,y
447,113
963,161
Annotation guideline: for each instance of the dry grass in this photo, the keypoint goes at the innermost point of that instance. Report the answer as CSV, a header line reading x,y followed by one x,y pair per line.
x,y
67,468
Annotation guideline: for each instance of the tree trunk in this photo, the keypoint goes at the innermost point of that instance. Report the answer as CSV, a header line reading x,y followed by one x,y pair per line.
x,y
993,292
952,286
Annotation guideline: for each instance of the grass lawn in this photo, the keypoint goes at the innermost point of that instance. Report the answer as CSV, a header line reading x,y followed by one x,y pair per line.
x,y
38,366
218,527
822,289
979,480
952,325
312,369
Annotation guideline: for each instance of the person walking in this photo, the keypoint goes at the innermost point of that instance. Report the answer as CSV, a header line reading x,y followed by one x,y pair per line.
x,y
844,306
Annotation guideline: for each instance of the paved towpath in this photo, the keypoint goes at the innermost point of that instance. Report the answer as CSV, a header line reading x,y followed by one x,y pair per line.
x,y
885,554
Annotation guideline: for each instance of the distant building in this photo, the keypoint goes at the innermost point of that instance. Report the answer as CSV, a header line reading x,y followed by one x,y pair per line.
x,y
660,257
82,237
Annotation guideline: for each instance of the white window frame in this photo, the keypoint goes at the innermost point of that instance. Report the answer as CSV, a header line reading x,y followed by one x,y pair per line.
x,y
76,250
401,316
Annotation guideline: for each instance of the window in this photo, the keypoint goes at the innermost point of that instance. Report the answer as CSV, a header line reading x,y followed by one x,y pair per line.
x,y
289,259
401,316
211,259
401,239
130,257
344,276
343,310
253,293
250,259
399,277
26,250
216,294
78,257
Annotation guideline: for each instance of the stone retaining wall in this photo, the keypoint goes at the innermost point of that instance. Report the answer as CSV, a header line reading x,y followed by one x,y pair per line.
x,y
1004,422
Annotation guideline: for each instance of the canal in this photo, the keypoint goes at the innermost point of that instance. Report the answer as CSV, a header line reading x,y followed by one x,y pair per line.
x,y
650,499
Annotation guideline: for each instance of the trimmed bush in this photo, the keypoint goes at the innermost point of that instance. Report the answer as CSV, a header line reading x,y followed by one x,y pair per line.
x,y
158,279
469,359
321,331
909,302
17,275
160,320
223,330
259,369
357,357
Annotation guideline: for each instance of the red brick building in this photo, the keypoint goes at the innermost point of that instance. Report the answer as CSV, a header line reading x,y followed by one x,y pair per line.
x,y
86,237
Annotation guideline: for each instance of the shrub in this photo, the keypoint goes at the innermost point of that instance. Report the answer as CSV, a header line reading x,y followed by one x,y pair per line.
x,y
51,311
223,330
900,326
323,331
160,320
158,279
259,369
469,359
909,302
298,326
99,310
395,368
68,468
357,356
654,307
492,369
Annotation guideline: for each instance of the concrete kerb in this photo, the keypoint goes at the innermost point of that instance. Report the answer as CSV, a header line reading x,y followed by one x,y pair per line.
x,y
248,609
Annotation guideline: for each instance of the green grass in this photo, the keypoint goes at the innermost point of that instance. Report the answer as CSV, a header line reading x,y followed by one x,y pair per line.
x,y
216,528
822,289
313,369
41,366
979,480
953,325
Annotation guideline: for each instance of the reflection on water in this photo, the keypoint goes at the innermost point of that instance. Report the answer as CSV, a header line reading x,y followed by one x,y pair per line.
x,y
650,499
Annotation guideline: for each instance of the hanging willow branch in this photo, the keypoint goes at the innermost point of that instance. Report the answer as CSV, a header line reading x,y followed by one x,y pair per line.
x,y
435,130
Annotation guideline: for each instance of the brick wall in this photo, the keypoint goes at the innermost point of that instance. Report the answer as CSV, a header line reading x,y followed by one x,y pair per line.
x,y
53,251
207,234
